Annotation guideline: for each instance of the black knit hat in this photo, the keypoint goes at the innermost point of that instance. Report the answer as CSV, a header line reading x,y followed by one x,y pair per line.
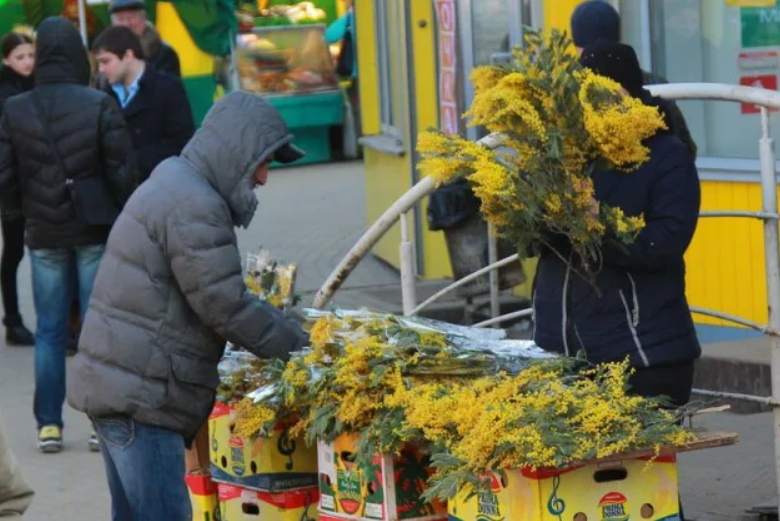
x,y
594,20
617,62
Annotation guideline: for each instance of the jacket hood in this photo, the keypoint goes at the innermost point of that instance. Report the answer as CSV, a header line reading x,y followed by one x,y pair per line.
x,y
60,54
240,132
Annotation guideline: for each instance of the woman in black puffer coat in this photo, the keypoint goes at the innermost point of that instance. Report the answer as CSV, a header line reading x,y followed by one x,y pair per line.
x,y
16,77
639,311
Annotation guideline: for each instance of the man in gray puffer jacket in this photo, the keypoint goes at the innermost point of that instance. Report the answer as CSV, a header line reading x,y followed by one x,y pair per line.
x,y
168,295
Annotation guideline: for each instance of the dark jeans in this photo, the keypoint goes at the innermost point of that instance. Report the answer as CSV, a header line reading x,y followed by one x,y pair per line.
x,y
145,469
53,291
673,381
13,252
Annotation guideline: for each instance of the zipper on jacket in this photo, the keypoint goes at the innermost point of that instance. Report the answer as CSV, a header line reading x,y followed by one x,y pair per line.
x,y
632,327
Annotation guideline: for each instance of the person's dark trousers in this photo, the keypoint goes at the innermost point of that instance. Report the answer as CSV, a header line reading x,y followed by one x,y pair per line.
x,y
145,470
13,252
52,274
673,381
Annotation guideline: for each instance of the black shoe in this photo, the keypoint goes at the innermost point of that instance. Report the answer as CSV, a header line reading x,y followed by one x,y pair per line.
x,y
72,347
18,335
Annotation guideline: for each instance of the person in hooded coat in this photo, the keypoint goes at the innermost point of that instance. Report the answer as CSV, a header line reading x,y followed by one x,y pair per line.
x,y
168,296
61,118
637,309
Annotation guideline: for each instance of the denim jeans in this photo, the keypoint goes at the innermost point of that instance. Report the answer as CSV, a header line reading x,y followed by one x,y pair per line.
x,y
145,469
53,286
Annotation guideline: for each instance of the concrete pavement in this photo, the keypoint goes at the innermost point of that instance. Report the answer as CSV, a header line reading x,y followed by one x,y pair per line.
x,y
312,215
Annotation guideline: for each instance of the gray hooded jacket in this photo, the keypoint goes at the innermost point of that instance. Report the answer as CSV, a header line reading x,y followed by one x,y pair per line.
x,y
170,290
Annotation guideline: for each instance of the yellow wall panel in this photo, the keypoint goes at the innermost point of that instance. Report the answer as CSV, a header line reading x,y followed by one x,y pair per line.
x,y
557,14
367,66
726,259
385,175
194,62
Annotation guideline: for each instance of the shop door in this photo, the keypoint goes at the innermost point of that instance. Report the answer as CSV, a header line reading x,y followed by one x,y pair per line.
x,y
490,29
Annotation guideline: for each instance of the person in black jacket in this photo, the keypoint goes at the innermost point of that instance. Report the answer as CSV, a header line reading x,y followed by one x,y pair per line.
x,y
154,104
16,77
132,14
638,309
55,141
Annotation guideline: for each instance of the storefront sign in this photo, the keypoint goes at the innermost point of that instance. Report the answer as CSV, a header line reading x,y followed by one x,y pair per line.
x,y
760,27
759,60
768,81
751,3
448,100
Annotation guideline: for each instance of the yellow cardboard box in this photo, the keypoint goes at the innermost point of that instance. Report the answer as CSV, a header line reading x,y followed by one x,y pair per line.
x,y
274,464
620,491
203,495
391,490
240,504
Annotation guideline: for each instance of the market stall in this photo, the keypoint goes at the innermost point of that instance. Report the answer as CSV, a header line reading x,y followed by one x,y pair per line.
x,y
292,67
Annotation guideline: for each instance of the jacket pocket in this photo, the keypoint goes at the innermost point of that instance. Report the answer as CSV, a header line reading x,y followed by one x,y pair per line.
x,y
194,371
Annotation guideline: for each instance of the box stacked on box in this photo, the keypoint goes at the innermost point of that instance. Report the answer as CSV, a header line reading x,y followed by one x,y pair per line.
x,y
615,491
391,490
274,477
203,495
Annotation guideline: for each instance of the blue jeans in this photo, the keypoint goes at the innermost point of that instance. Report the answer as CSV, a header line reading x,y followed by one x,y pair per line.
x,y
53,287
145,469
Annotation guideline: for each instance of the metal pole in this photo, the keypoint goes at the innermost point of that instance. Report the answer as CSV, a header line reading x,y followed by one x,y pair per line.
x,y
772,256
83,22
495,306
408,297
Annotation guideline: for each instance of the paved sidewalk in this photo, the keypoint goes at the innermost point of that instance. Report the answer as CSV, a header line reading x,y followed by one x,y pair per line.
x,y
312,215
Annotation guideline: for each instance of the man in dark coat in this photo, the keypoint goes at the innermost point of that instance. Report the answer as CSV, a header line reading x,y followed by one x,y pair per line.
x,y
154,104
54,139
169,294
596,20
132,14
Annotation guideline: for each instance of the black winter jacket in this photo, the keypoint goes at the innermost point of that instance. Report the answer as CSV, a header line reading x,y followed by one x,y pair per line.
x,y
641,311
159,119
89,134
12,84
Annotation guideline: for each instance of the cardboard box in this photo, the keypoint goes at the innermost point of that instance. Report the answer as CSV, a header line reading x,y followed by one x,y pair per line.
x,y
391,490
196,458
241,504
618,491
275,464
203,495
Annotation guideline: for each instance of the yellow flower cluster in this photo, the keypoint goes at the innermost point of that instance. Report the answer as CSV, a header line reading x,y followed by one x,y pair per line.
x,y
252,418
619,126
558,122
535,419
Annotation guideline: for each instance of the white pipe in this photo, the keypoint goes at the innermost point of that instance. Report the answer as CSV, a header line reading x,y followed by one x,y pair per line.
x,y
465,280
717,91
83,22
378,230
772,258
505,318
408,289
495,306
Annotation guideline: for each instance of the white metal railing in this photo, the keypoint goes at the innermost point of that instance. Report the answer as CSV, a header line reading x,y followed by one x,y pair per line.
x,y
765,99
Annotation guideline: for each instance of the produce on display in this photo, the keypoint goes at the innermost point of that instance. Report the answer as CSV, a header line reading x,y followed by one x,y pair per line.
x,y
293,60
474,400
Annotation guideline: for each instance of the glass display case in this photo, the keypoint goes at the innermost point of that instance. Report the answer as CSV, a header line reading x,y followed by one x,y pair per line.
x,y
284,61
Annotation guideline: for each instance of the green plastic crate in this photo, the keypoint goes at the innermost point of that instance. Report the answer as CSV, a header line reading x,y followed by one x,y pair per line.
x,y
310,117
